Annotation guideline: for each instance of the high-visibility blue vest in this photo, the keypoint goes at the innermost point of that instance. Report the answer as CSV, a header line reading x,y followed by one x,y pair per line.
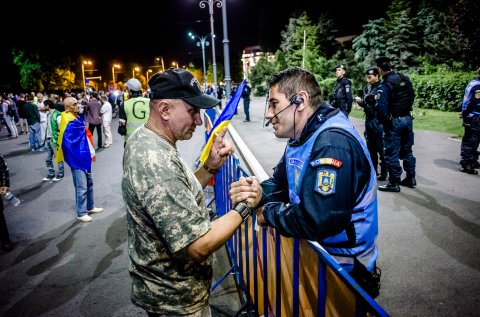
x,y
476,110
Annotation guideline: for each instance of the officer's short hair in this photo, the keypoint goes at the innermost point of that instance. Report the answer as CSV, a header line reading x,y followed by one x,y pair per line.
x,y
384,63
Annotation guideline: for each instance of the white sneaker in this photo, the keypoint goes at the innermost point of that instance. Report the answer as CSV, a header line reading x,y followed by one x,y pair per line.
x,y
95,210
85,218
57,179
47,179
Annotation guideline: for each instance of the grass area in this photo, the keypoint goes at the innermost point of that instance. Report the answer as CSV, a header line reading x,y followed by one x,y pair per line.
x,y
431,120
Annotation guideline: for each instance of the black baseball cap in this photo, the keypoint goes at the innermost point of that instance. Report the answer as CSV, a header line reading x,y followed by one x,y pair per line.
x,y
177,83
372,71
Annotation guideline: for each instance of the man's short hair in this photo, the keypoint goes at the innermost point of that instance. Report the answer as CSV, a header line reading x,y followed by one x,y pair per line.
x,y
384,63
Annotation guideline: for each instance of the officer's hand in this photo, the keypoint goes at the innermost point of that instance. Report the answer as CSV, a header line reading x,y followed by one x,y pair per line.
x,y
221,149
260,218
248,189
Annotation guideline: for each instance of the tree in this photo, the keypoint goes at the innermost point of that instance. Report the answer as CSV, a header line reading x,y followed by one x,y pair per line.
x,y
259,75
371,43
440,41
30,70
325,36
402,45
465,21
395,10
293,37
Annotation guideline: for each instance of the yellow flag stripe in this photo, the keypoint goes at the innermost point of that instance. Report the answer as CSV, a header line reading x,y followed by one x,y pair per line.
x,y
208,146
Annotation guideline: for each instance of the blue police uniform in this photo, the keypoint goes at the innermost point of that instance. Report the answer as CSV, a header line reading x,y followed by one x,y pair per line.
x,y
394,102
374,130
471,122
342,95
324,189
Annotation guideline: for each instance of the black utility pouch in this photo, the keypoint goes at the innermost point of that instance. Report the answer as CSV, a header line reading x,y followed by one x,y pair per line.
x,y
368,281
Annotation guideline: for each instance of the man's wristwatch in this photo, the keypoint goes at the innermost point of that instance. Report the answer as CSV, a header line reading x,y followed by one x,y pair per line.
x,y
211,170
243,209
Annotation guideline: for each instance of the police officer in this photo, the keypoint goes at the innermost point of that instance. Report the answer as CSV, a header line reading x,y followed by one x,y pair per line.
x,y
373,129
394,103
246,101
135,110
471,122
342,92
324,187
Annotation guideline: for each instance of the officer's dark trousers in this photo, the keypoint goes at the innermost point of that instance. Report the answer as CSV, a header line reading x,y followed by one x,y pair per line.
x,y
246,108
398,146
374,140
470,142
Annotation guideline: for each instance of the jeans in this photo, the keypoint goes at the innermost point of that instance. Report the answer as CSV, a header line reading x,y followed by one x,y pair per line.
x,y
83,182
34,135
398,146
50,150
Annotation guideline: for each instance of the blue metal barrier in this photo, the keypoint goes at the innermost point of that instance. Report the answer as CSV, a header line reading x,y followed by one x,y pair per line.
x,y
332,292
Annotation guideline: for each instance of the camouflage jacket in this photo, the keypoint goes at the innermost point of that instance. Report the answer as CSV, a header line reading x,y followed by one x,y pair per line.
x,y
165,213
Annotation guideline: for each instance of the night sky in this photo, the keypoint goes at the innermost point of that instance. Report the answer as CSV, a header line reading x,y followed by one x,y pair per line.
x,y
135,35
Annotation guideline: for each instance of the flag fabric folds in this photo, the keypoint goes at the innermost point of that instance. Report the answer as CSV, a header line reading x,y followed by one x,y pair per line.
x,y
222,121
75,143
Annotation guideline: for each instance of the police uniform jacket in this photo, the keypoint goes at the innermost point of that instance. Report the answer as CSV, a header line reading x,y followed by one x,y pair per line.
x,y
338,176
368,102
395,97
342,94
471,99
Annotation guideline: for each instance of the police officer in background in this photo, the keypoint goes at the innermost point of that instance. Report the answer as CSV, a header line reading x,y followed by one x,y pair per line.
x,y
471,122
395,98
373,129
342,92
135,110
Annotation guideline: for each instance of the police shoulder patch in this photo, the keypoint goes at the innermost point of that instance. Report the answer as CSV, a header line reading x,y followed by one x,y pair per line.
x,y
326,161
326,180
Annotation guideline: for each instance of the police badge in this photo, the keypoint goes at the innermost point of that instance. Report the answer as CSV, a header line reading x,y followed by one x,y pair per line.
x,y
325,183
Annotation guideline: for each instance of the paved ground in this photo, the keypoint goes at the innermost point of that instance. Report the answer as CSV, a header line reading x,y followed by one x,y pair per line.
x,y
429,237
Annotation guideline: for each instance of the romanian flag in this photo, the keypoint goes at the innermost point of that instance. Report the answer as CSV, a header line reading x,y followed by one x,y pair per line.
x,y
75,143
222,121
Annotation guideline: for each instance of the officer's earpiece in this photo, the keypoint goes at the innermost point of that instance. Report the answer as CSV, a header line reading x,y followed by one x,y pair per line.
x,y
297,100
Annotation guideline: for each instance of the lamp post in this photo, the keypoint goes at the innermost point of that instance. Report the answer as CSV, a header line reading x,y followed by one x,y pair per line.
x,y
226,54
175,64
157,59
203,42
83,73
203,4
148,71
133,71
113,72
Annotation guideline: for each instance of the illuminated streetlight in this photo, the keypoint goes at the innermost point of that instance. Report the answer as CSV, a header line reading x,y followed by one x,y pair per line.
x,y
203,4
113,71
134,70
83,73
203,42
148,71
158,59
175,64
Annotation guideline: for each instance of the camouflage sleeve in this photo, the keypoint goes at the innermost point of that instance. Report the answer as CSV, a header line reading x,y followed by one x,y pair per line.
x,y
175,212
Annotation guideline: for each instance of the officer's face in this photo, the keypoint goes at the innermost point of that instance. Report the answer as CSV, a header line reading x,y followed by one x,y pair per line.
x,y
283,123
183,119
339,72
372,79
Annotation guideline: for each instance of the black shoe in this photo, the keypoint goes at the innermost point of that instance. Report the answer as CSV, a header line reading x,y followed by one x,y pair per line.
x,y
246,120
476,165
7,246
382,177
469,170
409,182
390,187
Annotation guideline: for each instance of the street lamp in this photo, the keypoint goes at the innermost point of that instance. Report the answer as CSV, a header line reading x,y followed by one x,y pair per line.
x,y
83,73
133,71
203,42
175,64
203,5
148,71
113,72
157,60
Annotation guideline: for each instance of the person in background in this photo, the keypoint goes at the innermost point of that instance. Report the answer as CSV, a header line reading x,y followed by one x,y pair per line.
x,y
94,117
22,120
394,102
8,109
373,129
74,147
135,110
342,91
471,122
50,144
4,187
170,236
246,101
30,110
106,112
324,187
